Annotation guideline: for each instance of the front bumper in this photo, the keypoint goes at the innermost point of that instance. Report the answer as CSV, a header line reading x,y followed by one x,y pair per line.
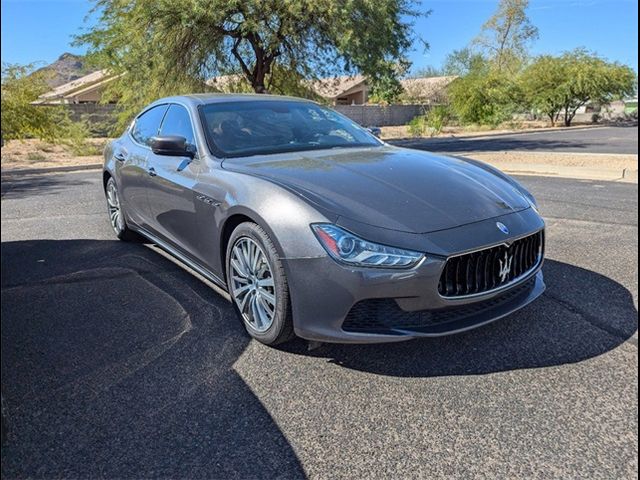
x,y
332,302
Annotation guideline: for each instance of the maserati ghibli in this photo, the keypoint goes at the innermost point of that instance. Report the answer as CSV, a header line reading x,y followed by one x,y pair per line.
x,y
318,229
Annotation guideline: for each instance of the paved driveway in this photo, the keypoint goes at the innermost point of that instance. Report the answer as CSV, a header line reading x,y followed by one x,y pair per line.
x,y
587,140
118,363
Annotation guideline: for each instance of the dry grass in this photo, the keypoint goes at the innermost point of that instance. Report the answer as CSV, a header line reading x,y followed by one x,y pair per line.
x,y
38,154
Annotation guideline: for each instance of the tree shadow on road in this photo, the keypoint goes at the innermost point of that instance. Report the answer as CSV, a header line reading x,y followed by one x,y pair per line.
x,y
117,363
22,186
495,143
581,315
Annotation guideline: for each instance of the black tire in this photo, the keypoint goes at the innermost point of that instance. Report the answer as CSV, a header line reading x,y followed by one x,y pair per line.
x,y
122,230
281,328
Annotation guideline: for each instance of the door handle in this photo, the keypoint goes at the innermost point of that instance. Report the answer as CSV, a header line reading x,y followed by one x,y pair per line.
x,y
152,172
119,156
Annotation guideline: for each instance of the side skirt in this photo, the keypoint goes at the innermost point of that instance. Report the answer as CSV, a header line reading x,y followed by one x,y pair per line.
x,y
212,277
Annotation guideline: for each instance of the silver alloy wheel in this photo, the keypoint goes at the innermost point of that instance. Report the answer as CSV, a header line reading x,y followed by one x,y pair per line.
x,y
252,286
113,205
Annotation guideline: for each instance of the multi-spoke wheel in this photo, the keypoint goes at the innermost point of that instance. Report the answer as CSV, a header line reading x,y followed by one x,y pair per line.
x,y
257,284
252,284
116,214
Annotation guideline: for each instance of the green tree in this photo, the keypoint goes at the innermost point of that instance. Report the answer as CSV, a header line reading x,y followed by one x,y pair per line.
x,y
427,72
505,37
484,96
561,85
22,119
167,47
462,62
386,87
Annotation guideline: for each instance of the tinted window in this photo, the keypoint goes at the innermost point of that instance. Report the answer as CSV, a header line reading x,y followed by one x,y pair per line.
x,y
263,127
147,124
177,122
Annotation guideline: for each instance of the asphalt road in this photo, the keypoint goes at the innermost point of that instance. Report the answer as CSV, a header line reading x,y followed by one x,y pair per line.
x,y
623,139
118,363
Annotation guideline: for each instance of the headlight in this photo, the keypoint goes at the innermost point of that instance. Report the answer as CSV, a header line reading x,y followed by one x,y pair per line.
x,y
347,248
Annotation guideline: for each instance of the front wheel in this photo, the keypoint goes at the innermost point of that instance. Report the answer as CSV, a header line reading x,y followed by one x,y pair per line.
x,y
258,285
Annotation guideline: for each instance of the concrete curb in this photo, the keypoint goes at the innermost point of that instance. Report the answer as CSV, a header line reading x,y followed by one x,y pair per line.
x,y
583,173
36,171
549,154
629,175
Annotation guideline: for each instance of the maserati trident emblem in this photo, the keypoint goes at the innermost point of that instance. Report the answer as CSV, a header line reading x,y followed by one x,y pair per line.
x,y
505,266
502,227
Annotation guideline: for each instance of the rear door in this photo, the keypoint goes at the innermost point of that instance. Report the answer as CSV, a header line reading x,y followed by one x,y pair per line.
x,y
171,198
132,163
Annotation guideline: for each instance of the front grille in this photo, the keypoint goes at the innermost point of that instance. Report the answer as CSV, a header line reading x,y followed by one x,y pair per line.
x,y
492,268
383,315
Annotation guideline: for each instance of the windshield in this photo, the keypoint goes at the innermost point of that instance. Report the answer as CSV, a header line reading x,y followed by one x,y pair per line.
x,y
262,127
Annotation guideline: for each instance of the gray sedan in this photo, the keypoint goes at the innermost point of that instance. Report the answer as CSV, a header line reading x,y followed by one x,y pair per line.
x,y
318,229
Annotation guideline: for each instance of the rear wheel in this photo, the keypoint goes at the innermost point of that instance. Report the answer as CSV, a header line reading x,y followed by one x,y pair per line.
x,y
258,285
116,213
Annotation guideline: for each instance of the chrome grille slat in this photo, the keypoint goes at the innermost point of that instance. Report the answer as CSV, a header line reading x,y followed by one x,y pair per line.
x,y
479,272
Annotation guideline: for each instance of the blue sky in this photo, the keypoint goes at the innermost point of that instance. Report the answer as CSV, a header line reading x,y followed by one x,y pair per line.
x,y
40,30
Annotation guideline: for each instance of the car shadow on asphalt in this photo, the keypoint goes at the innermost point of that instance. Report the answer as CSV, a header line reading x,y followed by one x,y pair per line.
x,y
581,315
117,363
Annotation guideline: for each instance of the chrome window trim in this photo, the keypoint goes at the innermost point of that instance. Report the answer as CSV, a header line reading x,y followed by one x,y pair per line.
x,y
131,127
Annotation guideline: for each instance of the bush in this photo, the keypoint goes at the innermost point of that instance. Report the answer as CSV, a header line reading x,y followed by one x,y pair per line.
x,y
431,122
36,157
484,98
418,126
21,119
76,134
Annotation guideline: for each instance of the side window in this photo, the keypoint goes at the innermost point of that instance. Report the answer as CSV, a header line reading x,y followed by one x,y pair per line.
x,y
177,122
147,124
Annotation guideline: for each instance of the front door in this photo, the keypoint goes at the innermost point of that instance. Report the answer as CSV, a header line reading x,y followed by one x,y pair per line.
x,y
171,195
132,157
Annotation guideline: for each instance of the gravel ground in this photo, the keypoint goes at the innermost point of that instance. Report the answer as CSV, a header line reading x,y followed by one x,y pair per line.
x,y
116,363
38,154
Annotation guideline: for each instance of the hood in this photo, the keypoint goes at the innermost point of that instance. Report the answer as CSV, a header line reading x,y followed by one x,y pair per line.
x,y
389,187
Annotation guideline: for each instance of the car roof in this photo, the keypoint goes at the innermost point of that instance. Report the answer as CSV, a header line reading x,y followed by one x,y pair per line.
x,y
207,98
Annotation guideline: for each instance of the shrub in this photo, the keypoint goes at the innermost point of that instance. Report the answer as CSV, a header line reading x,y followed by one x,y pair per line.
x,y
35,157
22,119
484,97
418,126
432,122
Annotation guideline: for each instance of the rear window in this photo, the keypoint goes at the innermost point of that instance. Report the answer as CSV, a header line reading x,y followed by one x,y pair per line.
x,y
245,128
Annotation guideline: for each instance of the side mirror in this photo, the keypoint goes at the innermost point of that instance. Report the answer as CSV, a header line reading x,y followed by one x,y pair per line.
x,y
375,131
171,145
